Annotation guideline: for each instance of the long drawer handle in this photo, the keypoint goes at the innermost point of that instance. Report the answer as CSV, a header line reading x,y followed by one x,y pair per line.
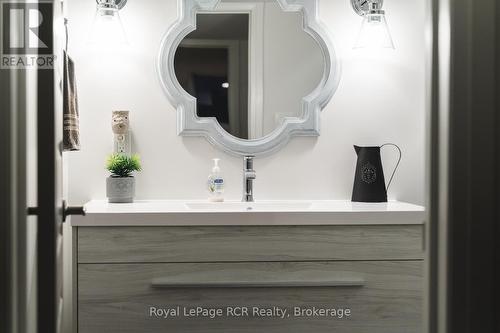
x,y
173,283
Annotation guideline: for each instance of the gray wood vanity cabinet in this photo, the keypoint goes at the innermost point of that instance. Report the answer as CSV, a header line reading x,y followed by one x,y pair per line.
x,y
123,273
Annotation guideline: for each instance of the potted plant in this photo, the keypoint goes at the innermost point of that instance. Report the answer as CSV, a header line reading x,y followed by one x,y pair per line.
x,y
120,185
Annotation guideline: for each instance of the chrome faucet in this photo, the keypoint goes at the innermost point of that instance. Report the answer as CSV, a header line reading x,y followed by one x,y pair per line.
x,y
248,177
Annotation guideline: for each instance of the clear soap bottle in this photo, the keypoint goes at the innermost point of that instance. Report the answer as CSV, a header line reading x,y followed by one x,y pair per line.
x,y
216,183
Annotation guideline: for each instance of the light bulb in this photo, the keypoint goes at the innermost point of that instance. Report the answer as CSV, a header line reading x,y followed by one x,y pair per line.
x,y
374,32
107,28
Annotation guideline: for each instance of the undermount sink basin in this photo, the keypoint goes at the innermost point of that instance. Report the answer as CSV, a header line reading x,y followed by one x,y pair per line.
x,y
249,206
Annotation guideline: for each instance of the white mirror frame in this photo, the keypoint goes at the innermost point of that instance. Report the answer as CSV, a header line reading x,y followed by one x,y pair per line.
x,y
188,122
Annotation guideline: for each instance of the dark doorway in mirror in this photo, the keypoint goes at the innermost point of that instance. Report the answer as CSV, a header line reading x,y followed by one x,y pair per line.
x,y
212,97
211,64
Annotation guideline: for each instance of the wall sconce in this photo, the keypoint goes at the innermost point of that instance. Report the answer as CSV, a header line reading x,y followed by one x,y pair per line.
x,y
107,26
374,31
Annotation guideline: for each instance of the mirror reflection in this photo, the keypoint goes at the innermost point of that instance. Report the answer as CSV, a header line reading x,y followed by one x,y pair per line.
x,y
249,70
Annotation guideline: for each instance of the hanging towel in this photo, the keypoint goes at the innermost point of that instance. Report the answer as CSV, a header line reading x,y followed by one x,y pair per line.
x,y
71,131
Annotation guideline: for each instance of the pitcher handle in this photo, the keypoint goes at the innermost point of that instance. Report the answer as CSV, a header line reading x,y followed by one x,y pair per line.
x,y
397,164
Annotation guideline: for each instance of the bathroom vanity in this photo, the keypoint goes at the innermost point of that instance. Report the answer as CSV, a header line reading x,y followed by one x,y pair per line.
x,y
295,266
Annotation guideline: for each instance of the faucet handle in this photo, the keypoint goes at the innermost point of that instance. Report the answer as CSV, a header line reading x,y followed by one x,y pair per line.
x,y
248,162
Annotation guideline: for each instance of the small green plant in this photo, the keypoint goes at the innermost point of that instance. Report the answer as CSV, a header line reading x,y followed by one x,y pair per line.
x,y
122,165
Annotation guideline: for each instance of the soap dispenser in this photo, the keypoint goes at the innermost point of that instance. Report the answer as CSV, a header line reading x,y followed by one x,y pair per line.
x,y
216,183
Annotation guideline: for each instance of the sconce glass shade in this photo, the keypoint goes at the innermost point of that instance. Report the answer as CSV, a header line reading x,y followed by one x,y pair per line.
x,y
107,28
374,32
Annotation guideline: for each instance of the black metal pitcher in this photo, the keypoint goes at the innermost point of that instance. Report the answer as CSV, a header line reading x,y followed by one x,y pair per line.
x,y
369,181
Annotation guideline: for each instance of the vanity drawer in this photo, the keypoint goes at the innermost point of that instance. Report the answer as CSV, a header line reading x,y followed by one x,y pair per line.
x,y
381,296
248,243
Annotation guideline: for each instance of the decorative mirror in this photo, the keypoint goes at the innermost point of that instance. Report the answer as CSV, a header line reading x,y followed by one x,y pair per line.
x,y
248,75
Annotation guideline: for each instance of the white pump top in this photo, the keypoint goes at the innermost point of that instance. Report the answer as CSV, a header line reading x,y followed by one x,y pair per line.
x,y
216,167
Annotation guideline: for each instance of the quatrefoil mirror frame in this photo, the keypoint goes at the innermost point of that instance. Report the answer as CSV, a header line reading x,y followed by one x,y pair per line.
x,y
190,124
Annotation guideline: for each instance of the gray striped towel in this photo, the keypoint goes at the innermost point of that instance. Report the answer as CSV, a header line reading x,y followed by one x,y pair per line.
x,y
71,126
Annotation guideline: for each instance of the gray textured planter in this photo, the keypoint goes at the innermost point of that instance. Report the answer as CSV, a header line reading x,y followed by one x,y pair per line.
x,y
120,189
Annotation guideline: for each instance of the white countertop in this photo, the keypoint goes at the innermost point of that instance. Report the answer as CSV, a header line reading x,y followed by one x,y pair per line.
x,y
282,212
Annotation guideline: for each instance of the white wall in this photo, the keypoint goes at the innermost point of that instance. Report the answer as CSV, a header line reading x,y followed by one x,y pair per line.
x,y
381,98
